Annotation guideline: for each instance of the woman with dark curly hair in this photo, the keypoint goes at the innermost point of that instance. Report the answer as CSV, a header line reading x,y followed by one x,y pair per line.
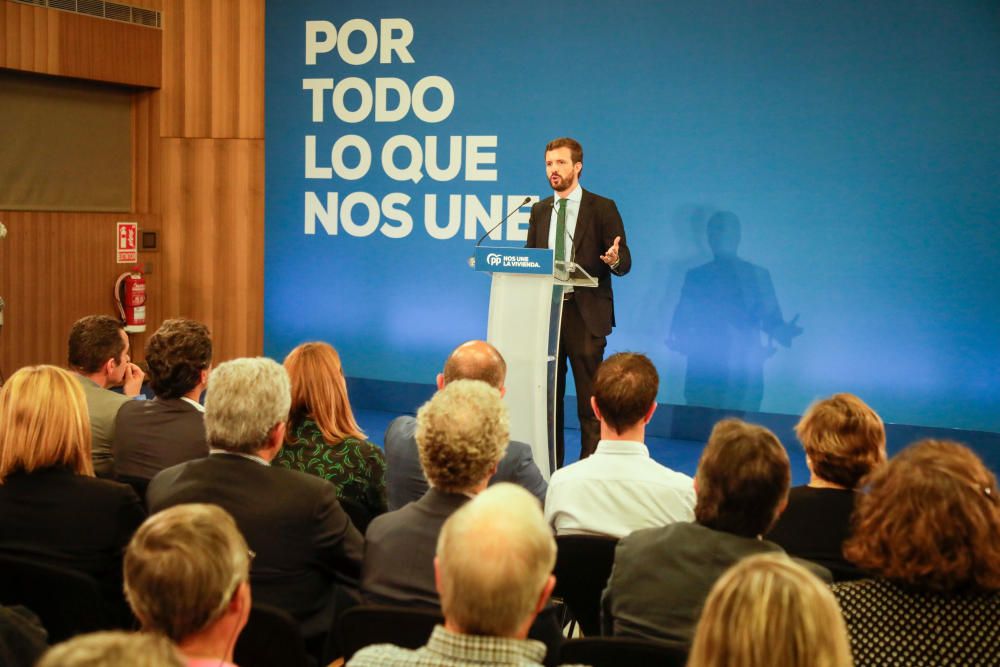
x,y
928,530
323,438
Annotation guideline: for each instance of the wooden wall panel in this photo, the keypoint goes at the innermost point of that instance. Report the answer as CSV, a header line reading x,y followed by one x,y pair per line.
x,y
213,240
29,38
102,50
213,69
146,155
56,268
48,41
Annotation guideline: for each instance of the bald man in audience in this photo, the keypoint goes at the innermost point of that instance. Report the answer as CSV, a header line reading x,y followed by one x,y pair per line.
x,y
405,480
620,488
99,355
493,569
462,434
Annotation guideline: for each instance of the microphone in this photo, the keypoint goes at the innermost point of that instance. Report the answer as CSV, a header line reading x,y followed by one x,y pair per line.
x,y
509,213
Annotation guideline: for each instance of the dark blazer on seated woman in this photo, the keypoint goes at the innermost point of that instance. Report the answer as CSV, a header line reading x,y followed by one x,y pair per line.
x,y
74,521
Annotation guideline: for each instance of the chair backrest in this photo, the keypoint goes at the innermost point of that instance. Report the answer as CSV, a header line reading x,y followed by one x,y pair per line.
x,y
271,638
620,652
583,565
359,514
365,625
68,602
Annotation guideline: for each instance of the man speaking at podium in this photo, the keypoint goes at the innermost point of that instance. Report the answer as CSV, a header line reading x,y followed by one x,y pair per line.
x,y
587,229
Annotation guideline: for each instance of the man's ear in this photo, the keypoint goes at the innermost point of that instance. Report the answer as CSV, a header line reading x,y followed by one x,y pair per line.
x,y
649,413
437,575
546,593
503,390
277,436
593,406
440,381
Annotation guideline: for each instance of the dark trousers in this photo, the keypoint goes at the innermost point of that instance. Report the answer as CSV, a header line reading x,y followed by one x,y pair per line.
x,y
584,353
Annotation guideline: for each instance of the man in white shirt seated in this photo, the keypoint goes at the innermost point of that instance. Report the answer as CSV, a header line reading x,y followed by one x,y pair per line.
x,y
620,489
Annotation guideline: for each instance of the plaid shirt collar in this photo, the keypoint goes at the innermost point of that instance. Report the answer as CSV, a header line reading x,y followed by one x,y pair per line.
x,y
489,650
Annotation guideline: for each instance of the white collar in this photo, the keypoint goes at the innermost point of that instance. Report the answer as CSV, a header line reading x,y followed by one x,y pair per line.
x,y
197,406
575,195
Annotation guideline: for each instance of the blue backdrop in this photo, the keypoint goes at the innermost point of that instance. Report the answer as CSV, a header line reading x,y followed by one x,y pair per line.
x,y
838,163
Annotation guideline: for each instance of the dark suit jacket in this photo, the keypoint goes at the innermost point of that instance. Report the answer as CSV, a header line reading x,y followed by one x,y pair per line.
x,y
399,551
292,521
153,435
597,225
662,576
405,479
72,521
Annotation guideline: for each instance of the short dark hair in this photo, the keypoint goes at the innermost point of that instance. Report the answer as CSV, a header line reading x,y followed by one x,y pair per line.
x,y
93,340
177,353
575,149
742,478
624,387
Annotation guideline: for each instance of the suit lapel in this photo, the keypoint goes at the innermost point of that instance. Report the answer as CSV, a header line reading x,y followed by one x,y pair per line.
x,y
542,240
583,222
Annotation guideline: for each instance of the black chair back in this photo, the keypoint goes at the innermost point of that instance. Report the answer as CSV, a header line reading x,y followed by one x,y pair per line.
x,y
359,514
620,652
271,638
583,565
68,602
366,625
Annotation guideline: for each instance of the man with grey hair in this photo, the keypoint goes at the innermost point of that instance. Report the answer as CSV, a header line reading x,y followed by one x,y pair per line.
x,y
493,569
303,540
462,433
405,480
187,573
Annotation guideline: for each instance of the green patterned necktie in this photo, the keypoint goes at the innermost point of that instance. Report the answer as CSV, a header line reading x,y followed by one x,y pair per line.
x,y
561,232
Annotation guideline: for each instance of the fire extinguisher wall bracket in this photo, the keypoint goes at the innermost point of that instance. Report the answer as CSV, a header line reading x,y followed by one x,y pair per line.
x,y
130,297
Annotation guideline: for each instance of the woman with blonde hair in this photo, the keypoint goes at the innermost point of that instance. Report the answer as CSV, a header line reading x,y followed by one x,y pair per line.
x,y
323,438
927,529
769,611
51,506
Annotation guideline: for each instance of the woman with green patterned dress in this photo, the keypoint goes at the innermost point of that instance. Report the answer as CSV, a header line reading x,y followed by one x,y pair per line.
x,y
323,438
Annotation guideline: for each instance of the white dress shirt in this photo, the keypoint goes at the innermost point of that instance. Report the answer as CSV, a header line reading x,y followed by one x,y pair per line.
x,y
616,490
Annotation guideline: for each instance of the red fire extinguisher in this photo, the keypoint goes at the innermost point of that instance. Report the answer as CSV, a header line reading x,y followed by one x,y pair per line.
x,y
130,295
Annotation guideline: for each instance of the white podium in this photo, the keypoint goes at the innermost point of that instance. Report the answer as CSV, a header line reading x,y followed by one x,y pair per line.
x,y
525,312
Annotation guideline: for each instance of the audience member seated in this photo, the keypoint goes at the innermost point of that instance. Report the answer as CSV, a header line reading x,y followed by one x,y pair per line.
x,y
98,354
767,611
170,429
928,530
662,576
303,539
619,488
51,506
186,577
493,569
22,637
461,435
844,440
473,360
323,439
114,649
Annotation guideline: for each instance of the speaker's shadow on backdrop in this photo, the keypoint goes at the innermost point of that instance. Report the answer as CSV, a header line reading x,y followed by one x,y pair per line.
x,y
727,322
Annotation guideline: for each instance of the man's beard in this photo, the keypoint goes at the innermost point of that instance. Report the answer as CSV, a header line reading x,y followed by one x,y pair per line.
x,y
564,183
